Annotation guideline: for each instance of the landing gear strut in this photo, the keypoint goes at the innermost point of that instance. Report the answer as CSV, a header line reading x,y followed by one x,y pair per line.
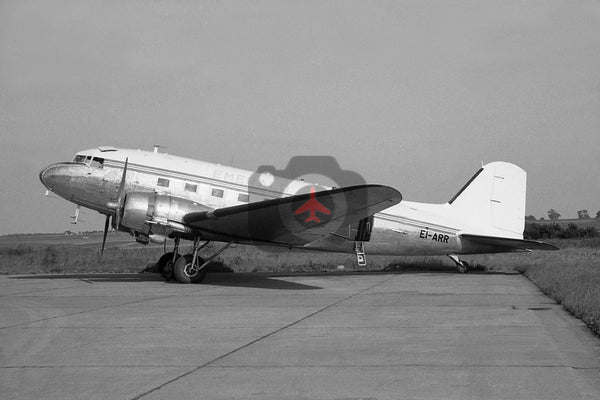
x,y
461,265
191,268
165,263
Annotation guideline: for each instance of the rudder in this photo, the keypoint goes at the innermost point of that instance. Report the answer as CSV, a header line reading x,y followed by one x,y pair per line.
x,y
492,202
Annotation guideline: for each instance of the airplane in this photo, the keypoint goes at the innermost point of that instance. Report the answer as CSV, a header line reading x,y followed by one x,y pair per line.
x,y
312,206
156,196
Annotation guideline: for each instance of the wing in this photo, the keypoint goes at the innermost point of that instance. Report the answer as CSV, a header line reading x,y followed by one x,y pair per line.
x,y
311,205
303,208
321,208
493,244
273,221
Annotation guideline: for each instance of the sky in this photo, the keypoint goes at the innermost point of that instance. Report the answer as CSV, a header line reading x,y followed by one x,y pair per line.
x,y
412,94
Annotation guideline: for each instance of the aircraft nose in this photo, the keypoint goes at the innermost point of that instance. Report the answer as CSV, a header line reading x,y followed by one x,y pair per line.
x,y
76,182
45,176
54,176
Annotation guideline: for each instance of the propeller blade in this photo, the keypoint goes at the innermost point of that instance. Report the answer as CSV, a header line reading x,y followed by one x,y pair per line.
x,y
105,232
121,196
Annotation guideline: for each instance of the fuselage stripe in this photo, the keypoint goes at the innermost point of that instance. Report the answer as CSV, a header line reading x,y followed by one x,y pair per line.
x,y
262,192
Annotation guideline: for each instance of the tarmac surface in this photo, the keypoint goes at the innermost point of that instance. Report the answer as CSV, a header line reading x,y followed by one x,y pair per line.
x,y
255,336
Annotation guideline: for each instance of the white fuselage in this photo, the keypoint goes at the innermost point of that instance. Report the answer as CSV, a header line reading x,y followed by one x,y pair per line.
x,y
407,228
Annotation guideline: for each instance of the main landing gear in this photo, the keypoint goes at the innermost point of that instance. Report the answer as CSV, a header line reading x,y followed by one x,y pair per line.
x,y
461,265
189,268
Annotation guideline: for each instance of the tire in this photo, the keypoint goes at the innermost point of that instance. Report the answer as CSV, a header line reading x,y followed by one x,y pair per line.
x,y
161,264
183,272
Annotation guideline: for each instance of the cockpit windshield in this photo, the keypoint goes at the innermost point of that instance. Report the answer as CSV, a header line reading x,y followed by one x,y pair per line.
x,y
95,162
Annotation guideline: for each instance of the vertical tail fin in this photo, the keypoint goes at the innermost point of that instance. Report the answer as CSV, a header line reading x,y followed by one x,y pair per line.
x,y
493,201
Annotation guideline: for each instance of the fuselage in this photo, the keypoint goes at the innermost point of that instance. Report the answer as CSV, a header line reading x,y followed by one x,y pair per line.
x,y
92,179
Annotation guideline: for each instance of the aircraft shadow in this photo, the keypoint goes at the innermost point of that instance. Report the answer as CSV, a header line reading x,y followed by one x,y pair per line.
x,y
440,269
260,280
249,280
255,280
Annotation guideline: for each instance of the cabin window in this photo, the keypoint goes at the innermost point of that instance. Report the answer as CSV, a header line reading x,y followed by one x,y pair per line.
x,y
162,182
79,158
243,197
97,162
217,193
190,187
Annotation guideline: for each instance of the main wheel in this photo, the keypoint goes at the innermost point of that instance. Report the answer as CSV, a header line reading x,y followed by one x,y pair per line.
x,y
163,266
185,272
463,267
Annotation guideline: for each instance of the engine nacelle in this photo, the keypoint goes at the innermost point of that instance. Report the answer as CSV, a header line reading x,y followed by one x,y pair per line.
x,y
144,210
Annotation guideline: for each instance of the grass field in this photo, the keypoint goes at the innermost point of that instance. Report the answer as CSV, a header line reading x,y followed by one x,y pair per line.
x,y
62,257
571,276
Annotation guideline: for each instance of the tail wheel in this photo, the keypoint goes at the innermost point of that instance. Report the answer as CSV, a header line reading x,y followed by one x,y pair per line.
x,y
185,272
463,267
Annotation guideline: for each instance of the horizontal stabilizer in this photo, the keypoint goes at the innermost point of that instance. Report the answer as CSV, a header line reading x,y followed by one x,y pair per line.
x,y
284,221
493,244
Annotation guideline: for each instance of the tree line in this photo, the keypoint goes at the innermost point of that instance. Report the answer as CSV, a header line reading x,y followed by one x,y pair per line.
x,y
536,231
553,215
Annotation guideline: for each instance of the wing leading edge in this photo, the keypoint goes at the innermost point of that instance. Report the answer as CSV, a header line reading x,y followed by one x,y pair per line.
x,y
274,221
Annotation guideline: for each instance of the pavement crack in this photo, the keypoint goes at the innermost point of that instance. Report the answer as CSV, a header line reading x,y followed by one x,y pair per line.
x,y
83,312
268,335
37,292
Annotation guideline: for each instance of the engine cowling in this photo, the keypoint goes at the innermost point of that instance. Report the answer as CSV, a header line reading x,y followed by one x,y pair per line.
x,y
144,212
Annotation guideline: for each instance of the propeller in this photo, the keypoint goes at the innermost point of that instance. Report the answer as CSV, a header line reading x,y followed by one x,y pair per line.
x,y
105,232
120,197
118,207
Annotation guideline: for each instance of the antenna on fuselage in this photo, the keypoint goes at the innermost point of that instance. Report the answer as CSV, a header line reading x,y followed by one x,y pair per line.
x,y
156,147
